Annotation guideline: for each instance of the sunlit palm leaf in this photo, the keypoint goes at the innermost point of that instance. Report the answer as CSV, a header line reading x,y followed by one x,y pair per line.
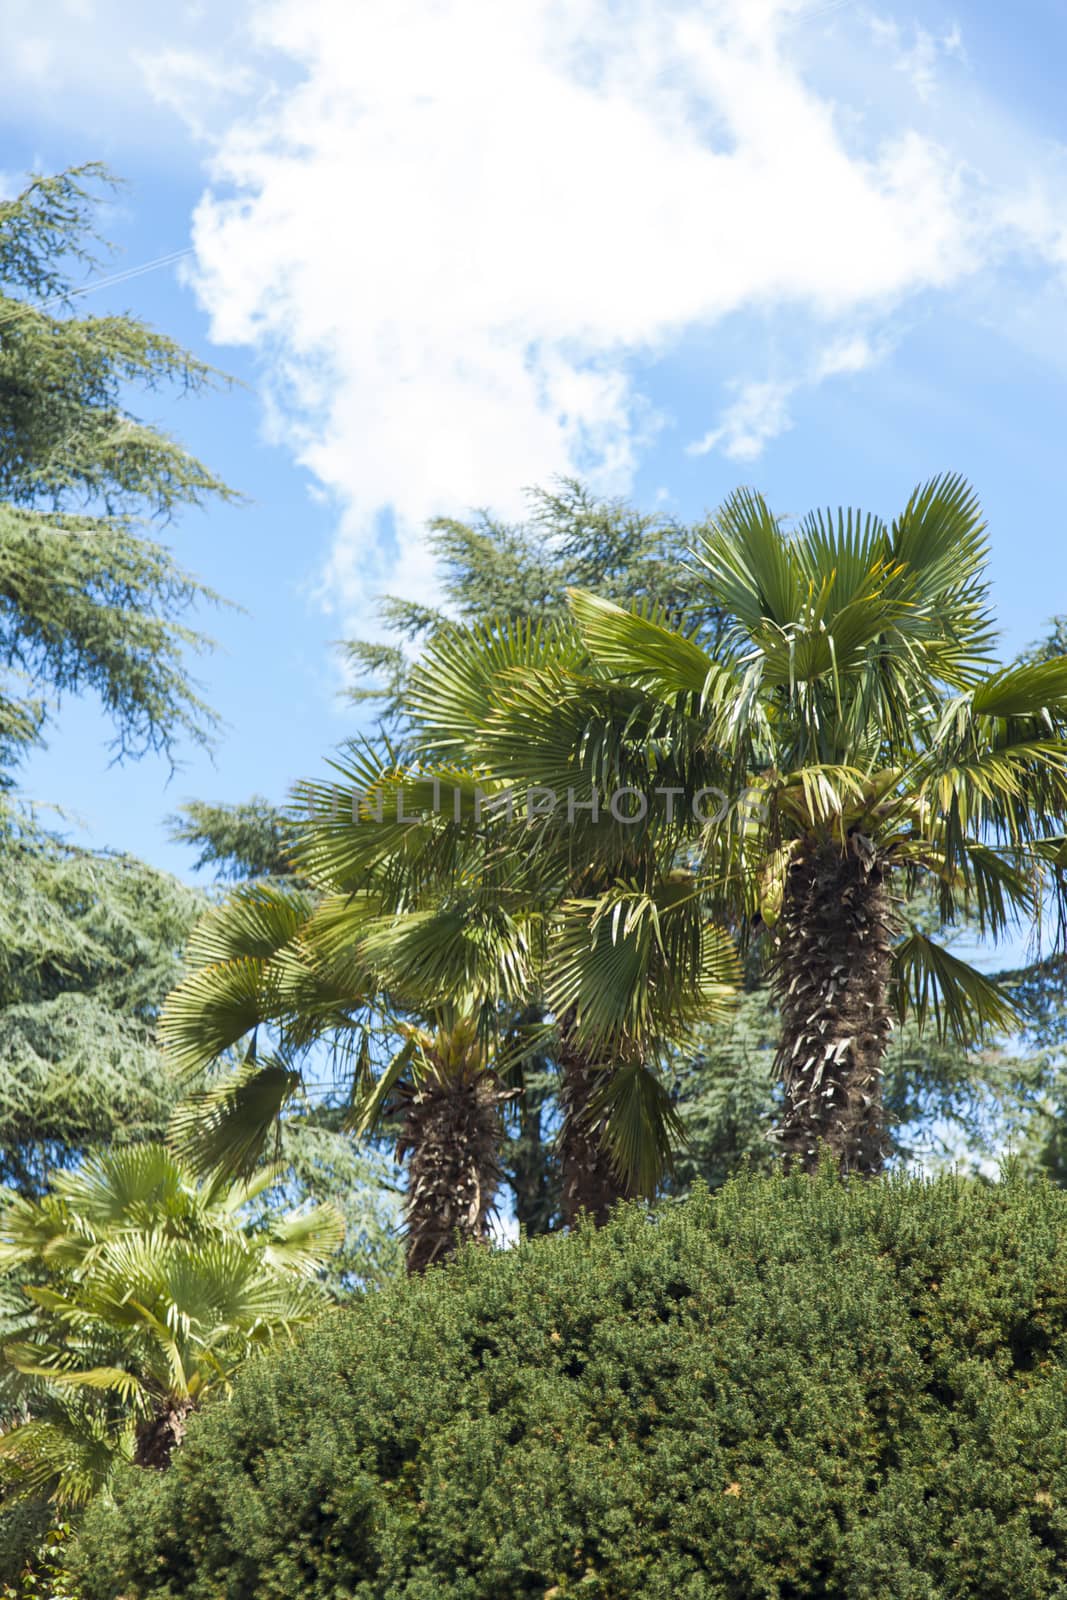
x,y
964,1003
632,966
642,649
212,1009
301,1241
455,686
253,922
750,571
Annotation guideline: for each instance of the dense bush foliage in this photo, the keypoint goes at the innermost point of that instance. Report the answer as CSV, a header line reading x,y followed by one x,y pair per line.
x,y
789,1389
37,1573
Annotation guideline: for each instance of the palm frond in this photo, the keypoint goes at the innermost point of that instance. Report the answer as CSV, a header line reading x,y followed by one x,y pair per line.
x,y
639,648
751,571
371,1106
253,922
965,1004
454,688
302,1241
851,545
1023,691
940,542
212,1009
633,967
223,1130
642,1125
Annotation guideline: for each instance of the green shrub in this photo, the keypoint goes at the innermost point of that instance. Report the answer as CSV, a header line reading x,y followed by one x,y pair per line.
x,y
24,1527
791,1389
40,1574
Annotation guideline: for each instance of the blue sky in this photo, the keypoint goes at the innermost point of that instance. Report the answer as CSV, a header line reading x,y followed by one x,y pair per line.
x,y
450,248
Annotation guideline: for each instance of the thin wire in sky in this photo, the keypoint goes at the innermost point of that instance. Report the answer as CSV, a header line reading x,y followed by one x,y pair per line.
x,y
99,283
823,10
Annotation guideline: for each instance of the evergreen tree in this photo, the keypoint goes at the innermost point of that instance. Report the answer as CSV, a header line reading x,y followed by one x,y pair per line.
x,y
237,842
88,601
491,570
90,943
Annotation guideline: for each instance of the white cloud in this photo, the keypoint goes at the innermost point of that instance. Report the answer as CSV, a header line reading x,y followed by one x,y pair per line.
x,y
461,233
761,411
919,57
99,73
194,84
458,234
848,356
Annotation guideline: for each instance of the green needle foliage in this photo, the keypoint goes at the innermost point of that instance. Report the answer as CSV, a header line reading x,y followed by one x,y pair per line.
x,y
799,1388
87,601
90,943
90,602
947,1107
237,842
727,1095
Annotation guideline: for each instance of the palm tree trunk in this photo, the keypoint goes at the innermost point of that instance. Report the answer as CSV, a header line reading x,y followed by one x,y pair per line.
x,y
159,1436
834,940
451,1135
590,1183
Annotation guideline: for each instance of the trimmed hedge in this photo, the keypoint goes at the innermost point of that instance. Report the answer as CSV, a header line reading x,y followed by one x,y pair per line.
x,y
790,1389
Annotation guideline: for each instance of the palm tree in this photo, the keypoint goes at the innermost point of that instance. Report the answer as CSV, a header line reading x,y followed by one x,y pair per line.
x,y
142,1294
424,921
629,961
341,967
853,735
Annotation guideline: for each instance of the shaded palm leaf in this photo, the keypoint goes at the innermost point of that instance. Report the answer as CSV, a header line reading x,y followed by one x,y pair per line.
x,y
223,1130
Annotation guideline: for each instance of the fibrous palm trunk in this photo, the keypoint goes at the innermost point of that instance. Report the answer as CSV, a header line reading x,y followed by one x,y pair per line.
x,y
159,1436
450,1136
833,949
590,1180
